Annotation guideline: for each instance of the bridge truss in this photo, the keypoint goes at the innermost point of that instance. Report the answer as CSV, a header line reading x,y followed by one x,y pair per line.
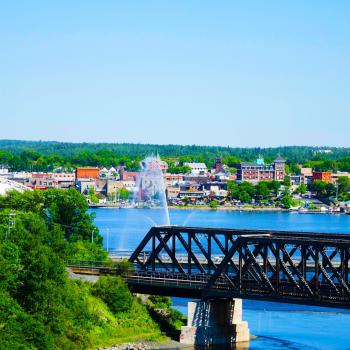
x,y
295,267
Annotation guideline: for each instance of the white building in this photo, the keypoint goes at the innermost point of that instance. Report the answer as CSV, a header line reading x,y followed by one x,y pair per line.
x,y
197,168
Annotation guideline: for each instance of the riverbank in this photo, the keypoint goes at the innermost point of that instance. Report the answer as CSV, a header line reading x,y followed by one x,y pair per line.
x,y
224,208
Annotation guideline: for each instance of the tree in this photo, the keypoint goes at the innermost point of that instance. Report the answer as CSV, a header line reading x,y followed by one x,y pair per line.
x,y
262,190
114,292
213,204
323,189
274,186
244,197
92,196
232,188
123,194
286,181
343,183
302,188
287,201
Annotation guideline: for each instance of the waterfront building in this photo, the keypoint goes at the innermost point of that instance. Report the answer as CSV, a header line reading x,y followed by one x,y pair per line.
x,y
191,190
197,168
325,176
173,179
172,192
259,171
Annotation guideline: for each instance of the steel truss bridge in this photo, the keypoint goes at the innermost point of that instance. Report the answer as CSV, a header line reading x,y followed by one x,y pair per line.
x,y
293,267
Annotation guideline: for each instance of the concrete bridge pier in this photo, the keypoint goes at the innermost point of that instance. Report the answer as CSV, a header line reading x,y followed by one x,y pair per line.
x,y
215,322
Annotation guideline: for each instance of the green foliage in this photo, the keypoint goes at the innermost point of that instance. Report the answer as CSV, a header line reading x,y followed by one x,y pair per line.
x,y
86,250
9,266
262,190
302,188
286,182
45,156
92,196
213,204
343,184
288,202
19,330
184,169
323,189
123,194
169,319
40,307
231,161
274,187
114,292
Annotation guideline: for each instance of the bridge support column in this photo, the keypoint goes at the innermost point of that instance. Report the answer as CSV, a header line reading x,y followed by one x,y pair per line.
x,y
215,322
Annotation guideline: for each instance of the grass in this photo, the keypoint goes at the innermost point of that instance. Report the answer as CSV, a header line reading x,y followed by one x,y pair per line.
x,y
132,326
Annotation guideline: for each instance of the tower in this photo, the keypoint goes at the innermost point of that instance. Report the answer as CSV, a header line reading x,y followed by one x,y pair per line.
x,y
279,168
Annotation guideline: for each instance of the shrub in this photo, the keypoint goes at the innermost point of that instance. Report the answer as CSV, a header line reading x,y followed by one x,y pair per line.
x,y
114,292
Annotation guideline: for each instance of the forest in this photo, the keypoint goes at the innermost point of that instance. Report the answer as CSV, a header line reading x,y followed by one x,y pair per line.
x,y
41,307
49,155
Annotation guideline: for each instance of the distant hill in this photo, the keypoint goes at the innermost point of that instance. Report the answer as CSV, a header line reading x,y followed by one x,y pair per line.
x,y
291,153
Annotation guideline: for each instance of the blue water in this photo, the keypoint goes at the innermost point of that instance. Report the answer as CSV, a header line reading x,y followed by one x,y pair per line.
x,y
276,325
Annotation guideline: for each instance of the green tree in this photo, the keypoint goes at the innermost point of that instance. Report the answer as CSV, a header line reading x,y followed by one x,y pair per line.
x,y
286,181
92,196
123,194
287,201
213,204
262,190
114,292
323,189
302,189
244,197
274,186
343,183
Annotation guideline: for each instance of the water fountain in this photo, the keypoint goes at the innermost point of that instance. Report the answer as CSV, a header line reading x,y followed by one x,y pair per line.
x,y
150,190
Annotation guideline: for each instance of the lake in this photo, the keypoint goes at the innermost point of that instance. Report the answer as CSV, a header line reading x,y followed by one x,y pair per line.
x,y
276,325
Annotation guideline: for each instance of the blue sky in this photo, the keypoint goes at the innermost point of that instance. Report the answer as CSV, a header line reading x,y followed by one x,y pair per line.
x,y
247,73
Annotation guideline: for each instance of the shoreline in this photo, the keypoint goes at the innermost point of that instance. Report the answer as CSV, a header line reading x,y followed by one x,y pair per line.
x,y
235,209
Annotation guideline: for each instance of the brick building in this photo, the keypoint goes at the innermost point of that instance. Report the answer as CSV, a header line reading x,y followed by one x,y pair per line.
x,y
325,176
259,171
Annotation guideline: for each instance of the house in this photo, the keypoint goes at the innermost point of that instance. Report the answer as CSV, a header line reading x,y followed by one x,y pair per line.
x,y
113,186
87,173
197,168
307,174
172,179
130,176
190,190
215,188
172,192
259,171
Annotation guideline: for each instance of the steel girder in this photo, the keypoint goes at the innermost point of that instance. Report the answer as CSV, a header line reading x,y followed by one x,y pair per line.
x,y
309,268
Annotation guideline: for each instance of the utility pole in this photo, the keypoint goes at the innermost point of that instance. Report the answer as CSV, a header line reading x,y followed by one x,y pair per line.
x,y
92,236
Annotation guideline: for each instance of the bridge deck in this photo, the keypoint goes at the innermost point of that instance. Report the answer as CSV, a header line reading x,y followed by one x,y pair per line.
x,y
295,267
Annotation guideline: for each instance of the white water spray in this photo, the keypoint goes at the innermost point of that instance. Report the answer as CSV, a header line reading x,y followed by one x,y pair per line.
x,y
150,189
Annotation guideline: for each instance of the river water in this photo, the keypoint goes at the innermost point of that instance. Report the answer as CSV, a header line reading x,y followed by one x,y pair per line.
x,y
276,325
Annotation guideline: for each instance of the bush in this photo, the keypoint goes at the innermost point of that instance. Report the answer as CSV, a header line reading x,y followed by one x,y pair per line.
x,y
114,292
213,204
